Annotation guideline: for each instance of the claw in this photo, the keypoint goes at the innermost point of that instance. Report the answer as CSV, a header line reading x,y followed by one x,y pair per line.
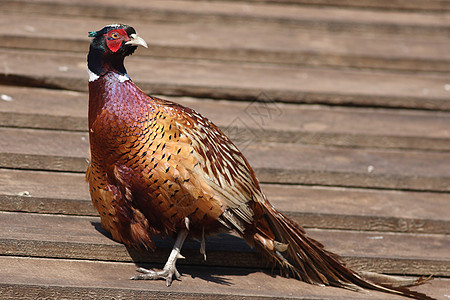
x,y
169,281
202,244
169,271
167,274
187,222
177,274
142,270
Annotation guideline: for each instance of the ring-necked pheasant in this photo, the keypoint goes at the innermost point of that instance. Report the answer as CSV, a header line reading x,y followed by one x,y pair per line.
x,y
158,168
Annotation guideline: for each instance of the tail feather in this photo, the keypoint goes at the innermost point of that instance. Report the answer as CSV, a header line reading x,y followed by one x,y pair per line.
x,y
307,259
393,281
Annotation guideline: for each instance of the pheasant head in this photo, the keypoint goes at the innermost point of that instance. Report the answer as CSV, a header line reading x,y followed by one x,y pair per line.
x,y
109,47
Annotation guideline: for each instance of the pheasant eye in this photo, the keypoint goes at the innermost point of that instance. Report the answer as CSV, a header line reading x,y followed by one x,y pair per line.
x,y
114,39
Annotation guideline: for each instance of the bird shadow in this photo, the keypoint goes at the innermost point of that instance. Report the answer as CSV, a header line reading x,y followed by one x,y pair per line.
x,y
227,256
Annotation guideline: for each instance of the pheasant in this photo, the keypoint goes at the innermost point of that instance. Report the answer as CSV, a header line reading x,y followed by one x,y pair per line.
x,y
161,169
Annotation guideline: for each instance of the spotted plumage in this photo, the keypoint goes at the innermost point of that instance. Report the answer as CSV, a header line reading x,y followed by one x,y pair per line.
x,y
159,168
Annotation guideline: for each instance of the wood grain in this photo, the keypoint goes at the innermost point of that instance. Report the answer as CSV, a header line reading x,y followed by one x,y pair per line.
x,y
259,121
319,207
433,5
306,17
34,277
82,238
273,163
258,44
236,81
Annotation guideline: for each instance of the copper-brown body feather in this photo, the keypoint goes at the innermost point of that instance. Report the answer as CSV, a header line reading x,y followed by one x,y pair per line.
x,y
158,168
162,162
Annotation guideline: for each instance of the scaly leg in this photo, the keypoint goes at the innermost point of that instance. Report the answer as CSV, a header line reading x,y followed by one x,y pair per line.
x,y
169,269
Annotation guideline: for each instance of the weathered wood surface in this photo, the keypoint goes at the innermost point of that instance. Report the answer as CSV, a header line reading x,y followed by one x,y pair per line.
x,y
324,207
262,120
323,18
432,5
292,46
200,79
368,179
89,279
39,235
273,163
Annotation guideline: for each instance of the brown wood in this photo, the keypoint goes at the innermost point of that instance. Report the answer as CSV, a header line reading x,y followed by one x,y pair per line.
x,y
370,168
34,277
320,207
273,163
262,44
434,5
47,150
357,209
82,238
322,18
253,121
287,84
42,108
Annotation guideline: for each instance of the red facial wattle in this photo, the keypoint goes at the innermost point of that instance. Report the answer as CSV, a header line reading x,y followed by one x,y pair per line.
x,y
115,38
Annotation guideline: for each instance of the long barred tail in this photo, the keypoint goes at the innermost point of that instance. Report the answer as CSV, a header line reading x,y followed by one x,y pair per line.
x,y
286,243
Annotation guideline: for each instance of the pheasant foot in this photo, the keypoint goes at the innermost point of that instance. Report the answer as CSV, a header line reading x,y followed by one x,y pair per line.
x,y
169,271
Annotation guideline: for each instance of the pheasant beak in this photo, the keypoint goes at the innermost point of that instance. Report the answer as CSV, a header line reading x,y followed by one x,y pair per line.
x,y
136,41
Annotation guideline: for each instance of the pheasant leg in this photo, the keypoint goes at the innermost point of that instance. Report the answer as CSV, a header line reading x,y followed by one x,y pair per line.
x,y
169,270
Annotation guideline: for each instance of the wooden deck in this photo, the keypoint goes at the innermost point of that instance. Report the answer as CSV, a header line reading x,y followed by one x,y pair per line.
x,y
342,108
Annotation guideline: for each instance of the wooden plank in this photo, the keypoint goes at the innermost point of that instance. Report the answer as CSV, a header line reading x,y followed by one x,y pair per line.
x,y
243,81
82,238
36,277
320,207
356,209
42,108
433,5
45,192
323,18
273,163
265,43
259,121
47,150
370,168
